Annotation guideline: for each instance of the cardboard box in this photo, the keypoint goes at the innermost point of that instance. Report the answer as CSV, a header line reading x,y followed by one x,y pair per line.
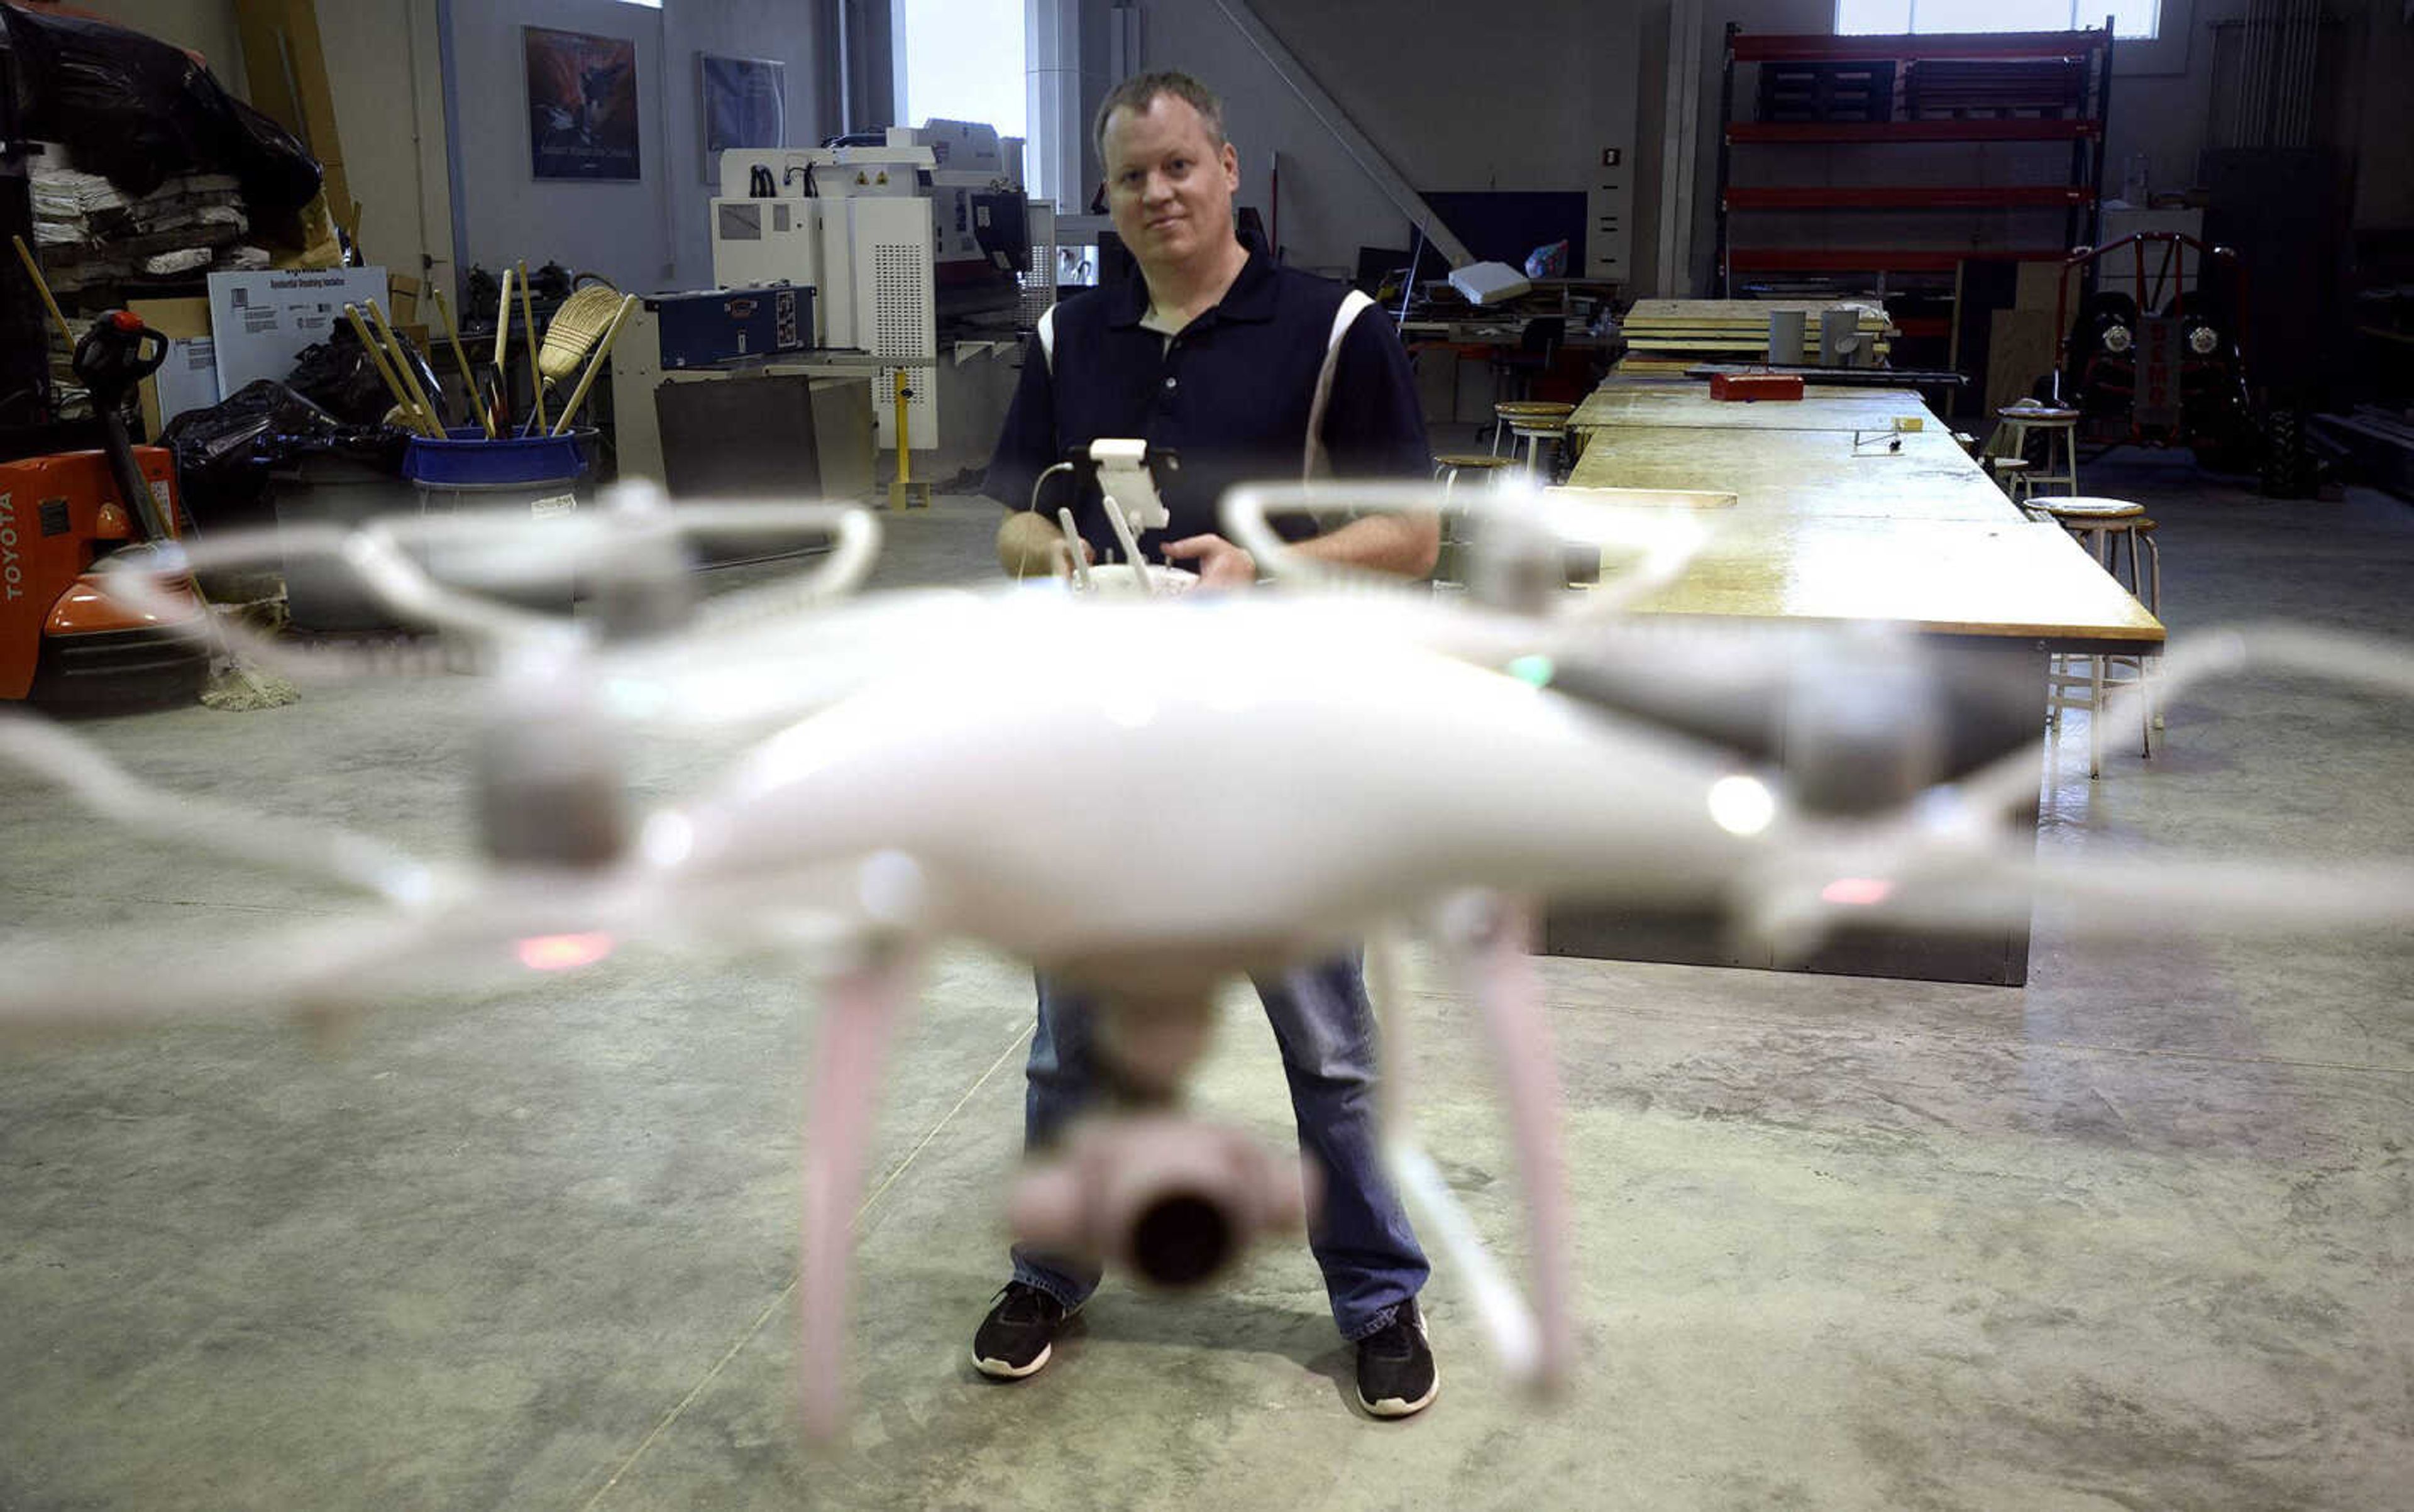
x,y
189,380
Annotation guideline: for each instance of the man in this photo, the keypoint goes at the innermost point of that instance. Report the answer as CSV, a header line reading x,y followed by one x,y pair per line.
x,y
1246,371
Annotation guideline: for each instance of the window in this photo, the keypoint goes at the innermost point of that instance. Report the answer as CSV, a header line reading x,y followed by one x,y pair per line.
x,y
2134,19
963,62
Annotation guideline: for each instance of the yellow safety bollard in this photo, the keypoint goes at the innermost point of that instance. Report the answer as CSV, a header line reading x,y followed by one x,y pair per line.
x,y
905,491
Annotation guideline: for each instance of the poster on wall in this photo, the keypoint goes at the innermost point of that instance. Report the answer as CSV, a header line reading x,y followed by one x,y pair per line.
x,y
744,104
582,97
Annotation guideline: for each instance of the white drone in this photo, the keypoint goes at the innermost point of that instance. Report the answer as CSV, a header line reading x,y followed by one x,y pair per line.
x,y
990,765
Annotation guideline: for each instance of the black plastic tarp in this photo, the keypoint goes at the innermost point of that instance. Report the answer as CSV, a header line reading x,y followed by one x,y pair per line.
x,y
139,112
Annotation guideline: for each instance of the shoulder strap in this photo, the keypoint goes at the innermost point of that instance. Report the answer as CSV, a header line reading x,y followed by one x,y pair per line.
x,y
1353,304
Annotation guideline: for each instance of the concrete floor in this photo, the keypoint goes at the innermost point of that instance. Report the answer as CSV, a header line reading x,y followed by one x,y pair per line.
x,y
2135,1236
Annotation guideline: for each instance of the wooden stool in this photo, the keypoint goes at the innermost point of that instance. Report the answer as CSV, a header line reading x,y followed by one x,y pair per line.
x,y
1532,422
2060,426
1449,464
1447,467
2105,527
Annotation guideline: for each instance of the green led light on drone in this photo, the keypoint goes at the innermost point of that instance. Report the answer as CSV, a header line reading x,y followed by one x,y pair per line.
x,y
1534,671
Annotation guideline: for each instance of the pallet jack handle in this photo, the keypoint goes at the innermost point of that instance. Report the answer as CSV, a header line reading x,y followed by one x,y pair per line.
x,y
118,352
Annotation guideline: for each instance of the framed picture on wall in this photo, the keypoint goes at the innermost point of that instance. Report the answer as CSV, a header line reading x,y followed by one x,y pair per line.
x,y
582,100
743,103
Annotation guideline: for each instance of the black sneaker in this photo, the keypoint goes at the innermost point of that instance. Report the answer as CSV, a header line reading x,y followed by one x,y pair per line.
x,y
1395,1367
1020,1333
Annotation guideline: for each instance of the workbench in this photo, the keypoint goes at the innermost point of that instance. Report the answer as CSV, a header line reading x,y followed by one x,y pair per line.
x,y
1446,351
1841,516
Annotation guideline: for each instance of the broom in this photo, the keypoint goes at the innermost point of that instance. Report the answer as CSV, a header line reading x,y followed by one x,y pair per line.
x,y
620,313
576,326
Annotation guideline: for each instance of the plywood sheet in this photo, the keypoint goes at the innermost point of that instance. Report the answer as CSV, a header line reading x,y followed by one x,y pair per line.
x,y
1823,407
1732,314
2013,579
2021,346
2036,285
1820,472
1827,526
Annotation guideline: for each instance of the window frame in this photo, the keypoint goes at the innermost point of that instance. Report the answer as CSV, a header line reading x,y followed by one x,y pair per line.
x,y
2078,22
2165,53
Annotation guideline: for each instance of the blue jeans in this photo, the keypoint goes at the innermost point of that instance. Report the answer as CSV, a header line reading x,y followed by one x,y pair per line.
x,y
1326,1031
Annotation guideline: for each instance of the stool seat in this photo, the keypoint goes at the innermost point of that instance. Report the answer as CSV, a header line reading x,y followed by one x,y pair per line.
x,y
1476,459
2080,508
2101,526
2056,474
1532,410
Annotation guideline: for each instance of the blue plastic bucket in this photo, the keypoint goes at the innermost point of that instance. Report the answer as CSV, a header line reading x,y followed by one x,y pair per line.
x,y
541,474
467,461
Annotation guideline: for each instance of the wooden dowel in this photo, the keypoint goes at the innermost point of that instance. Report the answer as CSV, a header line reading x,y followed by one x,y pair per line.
x,y
434,421
536,370
469,374
384,370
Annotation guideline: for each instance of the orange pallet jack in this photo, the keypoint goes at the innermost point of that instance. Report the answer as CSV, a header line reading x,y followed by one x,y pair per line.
x,y
63,642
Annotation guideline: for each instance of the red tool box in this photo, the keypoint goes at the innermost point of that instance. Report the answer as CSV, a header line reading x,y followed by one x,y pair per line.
x,y
1755,387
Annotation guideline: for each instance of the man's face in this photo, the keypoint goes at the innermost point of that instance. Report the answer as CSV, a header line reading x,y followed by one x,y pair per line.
x,y
1169,187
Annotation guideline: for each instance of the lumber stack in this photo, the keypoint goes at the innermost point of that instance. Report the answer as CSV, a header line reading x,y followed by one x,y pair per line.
x,y
1668,336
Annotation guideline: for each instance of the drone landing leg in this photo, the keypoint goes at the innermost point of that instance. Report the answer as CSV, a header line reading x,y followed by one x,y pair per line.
x,y
861,1007
1493,949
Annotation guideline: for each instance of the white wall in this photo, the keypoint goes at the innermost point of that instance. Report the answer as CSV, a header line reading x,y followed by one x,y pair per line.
x,y
1329,208
789,31
646,234
623,230
1452,104
385,72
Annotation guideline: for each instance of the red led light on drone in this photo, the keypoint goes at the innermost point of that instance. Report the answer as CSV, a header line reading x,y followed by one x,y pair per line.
x,y
563,952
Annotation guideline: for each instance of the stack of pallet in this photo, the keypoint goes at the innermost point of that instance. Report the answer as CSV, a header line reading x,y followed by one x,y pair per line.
x,y
1668,336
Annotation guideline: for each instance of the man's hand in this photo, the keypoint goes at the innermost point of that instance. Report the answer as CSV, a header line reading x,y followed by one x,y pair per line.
x,y
1220,563
1030,545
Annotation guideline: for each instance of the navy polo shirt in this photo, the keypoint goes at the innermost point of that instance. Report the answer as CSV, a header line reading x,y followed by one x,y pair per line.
x,y
1229,396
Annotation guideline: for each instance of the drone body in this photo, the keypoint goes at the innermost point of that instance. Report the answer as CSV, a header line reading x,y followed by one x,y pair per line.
x,y
1111,788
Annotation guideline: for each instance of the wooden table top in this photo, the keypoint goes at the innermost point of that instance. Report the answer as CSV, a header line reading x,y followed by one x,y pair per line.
x,y
2015,578
1800,472
1687,402
1825,529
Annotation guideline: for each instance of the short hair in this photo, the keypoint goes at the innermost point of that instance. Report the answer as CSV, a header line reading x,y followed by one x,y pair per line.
x,y
1135,93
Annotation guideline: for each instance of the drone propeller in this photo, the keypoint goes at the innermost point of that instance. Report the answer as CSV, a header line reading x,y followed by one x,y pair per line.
x,y
2356,660
456,571
1979,881
1519,555
110,792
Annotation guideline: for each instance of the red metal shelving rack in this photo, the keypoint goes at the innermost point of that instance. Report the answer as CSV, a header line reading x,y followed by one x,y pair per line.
x,y
2089,51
